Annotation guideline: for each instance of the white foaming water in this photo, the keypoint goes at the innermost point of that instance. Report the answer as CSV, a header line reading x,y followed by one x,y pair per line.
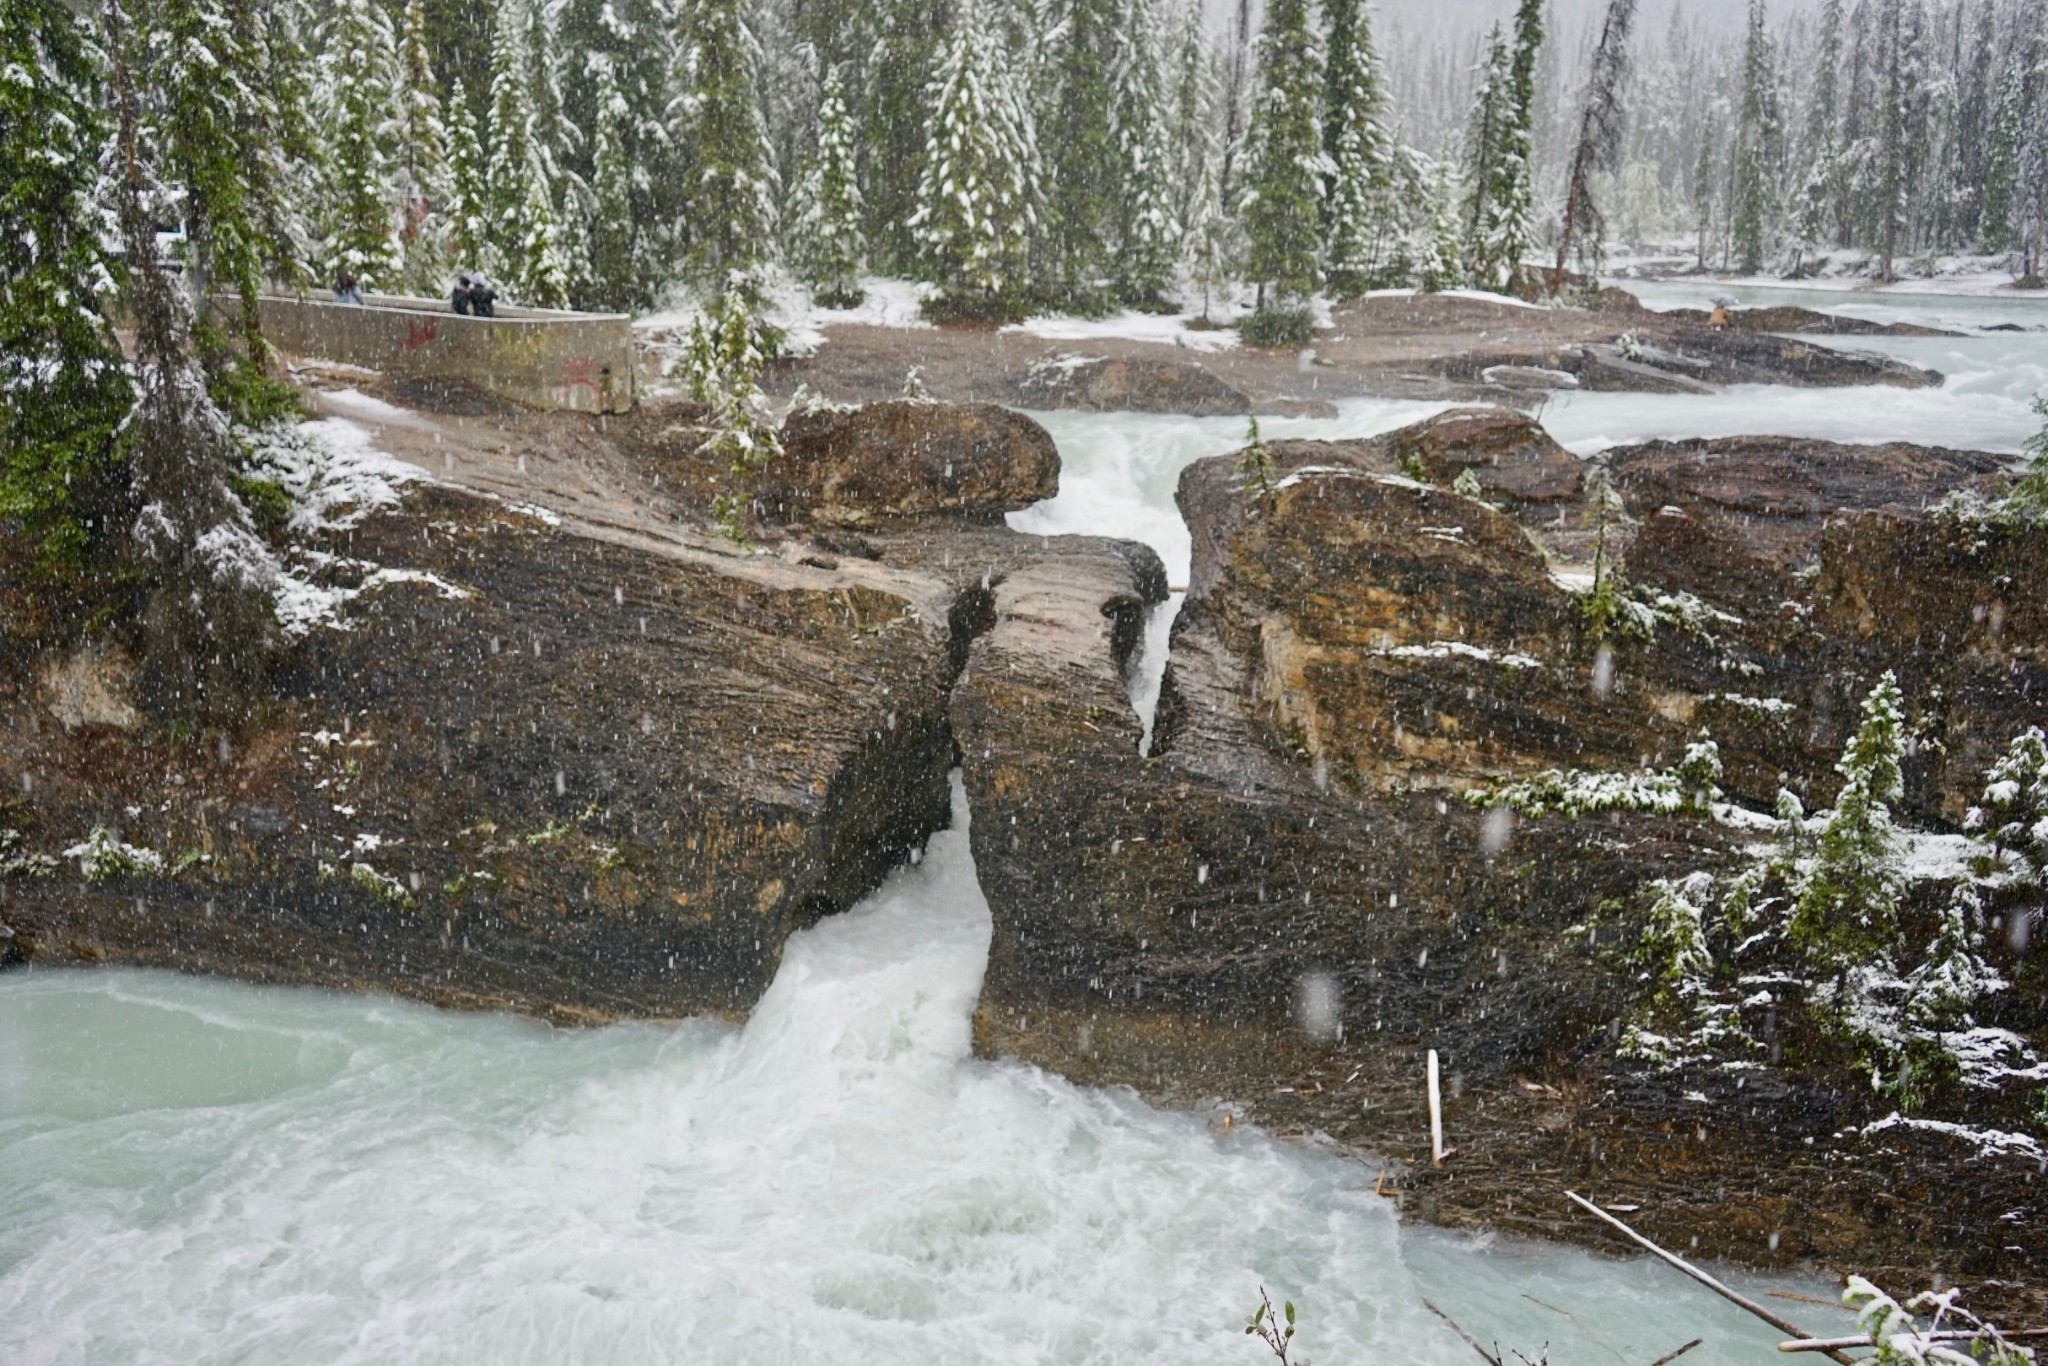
x,y
200,1171
1118,471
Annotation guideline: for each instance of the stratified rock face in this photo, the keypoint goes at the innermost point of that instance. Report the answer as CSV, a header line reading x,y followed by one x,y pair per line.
x,y
1286,904
1360,604
1958,602
579,779
1133,384
889,461
1774,493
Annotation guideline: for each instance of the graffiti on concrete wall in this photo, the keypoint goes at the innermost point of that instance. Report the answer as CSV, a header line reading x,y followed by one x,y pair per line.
x,y
581,372
420,331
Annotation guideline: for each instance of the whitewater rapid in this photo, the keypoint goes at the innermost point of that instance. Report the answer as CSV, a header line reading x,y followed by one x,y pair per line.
x,y
199,1171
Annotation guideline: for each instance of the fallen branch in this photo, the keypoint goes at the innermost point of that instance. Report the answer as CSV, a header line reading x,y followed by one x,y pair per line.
x,y
1945,1335
1459,1330
1669,1357
1783,1325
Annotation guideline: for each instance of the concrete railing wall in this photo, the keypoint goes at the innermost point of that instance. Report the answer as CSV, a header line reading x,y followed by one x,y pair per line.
x,y
581,361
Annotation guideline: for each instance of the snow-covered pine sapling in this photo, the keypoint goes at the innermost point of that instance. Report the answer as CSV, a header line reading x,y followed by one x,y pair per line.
x,y
1266,1325
1467,484
1605,609
1845,907
1255,463
722,365
1672,954
2012,824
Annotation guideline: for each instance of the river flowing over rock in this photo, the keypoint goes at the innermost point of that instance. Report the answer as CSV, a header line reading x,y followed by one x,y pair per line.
x,y
588,775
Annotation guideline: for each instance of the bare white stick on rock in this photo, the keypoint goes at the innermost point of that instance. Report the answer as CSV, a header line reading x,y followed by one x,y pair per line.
x,y
1436,1115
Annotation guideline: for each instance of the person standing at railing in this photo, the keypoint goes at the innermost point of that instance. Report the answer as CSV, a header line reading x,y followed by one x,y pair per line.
x,y
483,299
346,290
461,299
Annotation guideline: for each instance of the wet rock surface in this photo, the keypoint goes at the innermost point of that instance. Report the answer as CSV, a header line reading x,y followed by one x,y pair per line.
x,y
893,460
1134,384
612,778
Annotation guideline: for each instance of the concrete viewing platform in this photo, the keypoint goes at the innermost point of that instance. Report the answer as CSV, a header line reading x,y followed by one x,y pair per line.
x,y
542,357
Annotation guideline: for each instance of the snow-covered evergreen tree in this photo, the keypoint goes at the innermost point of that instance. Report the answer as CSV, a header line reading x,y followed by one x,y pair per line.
x,y
1751,175
1486,144
523,230
1366,243
895,122
2012,821
207,106
206,623
1507,230
63,387
1820,188
1284,173
615,56
1208,245
360,221
1439,249
976,200
733,183
420,161
469,207
1146,232
1082,182
2001,177
830,225
1599,144
612,273
1193,116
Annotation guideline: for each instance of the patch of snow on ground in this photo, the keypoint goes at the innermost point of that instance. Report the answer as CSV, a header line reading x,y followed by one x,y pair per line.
x,y
1168,329
332,472
1988,1142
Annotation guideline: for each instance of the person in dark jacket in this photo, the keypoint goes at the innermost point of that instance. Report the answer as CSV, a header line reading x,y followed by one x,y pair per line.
x,y
483,299
460,300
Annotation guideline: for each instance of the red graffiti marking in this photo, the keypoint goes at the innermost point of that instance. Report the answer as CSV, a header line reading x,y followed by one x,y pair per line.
x,y
420,331
581,372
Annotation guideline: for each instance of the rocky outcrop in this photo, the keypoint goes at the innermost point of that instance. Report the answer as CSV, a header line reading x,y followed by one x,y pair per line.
x,y
1286,903
1509,453
889,461
1133,384
575,779
1804,322
1660,356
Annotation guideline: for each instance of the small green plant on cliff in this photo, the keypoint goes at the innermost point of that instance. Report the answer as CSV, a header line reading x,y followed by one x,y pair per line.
x,y
13,864
722,366
384,887
1693,785
2029,494
1467,484
1255,463
1606,608
103,857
